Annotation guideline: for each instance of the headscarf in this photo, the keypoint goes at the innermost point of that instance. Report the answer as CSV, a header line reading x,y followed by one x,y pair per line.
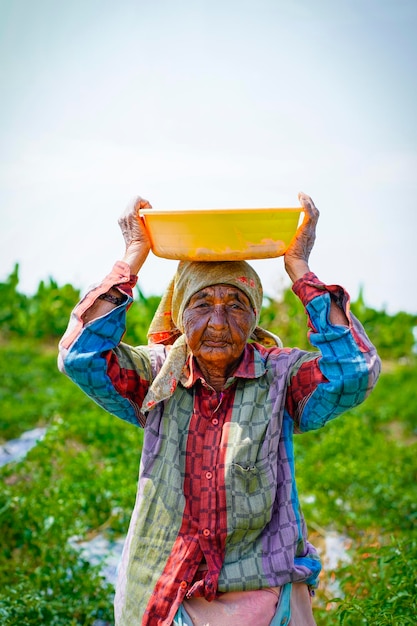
x,y
167,325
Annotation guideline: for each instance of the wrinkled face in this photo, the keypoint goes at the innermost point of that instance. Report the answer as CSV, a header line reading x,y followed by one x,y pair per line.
x,y
217,324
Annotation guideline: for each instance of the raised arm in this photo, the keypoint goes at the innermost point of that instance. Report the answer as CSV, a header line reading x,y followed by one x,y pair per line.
x,y
346,367
91,352
137,246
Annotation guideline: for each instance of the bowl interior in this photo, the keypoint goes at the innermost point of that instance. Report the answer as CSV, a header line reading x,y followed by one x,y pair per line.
x,y
221,234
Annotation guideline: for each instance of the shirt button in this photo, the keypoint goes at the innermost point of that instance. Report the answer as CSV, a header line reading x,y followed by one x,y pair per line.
x,y
206,532
215,421
183,584
209,475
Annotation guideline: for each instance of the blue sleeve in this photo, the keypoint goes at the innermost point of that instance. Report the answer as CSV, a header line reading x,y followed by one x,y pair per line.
x,y
348,363
114,375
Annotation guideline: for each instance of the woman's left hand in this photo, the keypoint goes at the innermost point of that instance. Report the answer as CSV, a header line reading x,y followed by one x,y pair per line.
x,y
298,252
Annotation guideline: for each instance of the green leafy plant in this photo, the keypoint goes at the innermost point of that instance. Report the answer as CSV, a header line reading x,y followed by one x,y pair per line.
x,y
380,586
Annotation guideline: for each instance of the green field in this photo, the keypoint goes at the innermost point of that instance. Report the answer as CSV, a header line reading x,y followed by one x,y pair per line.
x,y
357,477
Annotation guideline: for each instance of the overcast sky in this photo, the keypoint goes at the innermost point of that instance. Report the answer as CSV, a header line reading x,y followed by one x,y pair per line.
x,y
219,103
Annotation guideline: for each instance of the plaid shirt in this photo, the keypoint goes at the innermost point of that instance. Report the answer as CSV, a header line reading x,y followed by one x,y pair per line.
x,y
217,469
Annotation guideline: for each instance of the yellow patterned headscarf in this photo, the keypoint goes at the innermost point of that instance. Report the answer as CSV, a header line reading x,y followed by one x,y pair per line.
x,y
167,325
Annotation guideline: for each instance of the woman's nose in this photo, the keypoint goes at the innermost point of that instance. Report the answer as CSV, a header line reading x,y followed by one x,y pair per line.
x,y
218,316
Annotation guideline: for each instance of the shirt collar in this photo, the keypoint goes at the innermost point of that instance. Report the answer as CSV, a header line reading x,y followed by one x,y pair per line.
x,y
251,366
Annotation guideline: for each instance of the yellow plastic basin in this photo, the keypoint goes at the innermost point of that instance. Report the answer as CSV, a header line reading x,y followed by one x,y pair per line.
x,y
221,234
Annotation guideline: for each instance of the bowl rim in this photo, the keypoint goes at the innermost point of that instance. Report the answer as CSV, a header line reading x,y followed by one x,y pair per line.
x,y
228,211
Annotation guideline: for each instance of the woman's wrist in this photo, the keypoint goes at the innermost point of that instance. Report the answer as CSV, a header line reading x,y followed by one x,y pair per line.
x,y
296,269
135,256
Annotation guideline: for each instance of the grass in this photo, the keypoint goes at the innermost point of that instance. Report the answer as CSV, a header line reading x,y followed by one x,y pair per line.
x,y
357,477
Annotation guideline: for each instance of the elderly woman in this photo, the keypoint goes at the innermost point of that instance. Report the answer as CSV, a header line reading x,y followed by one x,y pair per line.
x,y
217,536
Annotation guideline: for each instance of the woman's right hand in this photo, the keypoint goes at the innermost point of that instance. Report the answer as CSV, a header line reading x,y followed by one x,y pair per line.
x,y
135,234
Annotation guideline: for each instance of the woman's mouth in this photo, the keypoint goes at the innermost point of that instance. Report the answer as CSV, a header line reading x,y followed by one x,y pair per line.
x,y
215,343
